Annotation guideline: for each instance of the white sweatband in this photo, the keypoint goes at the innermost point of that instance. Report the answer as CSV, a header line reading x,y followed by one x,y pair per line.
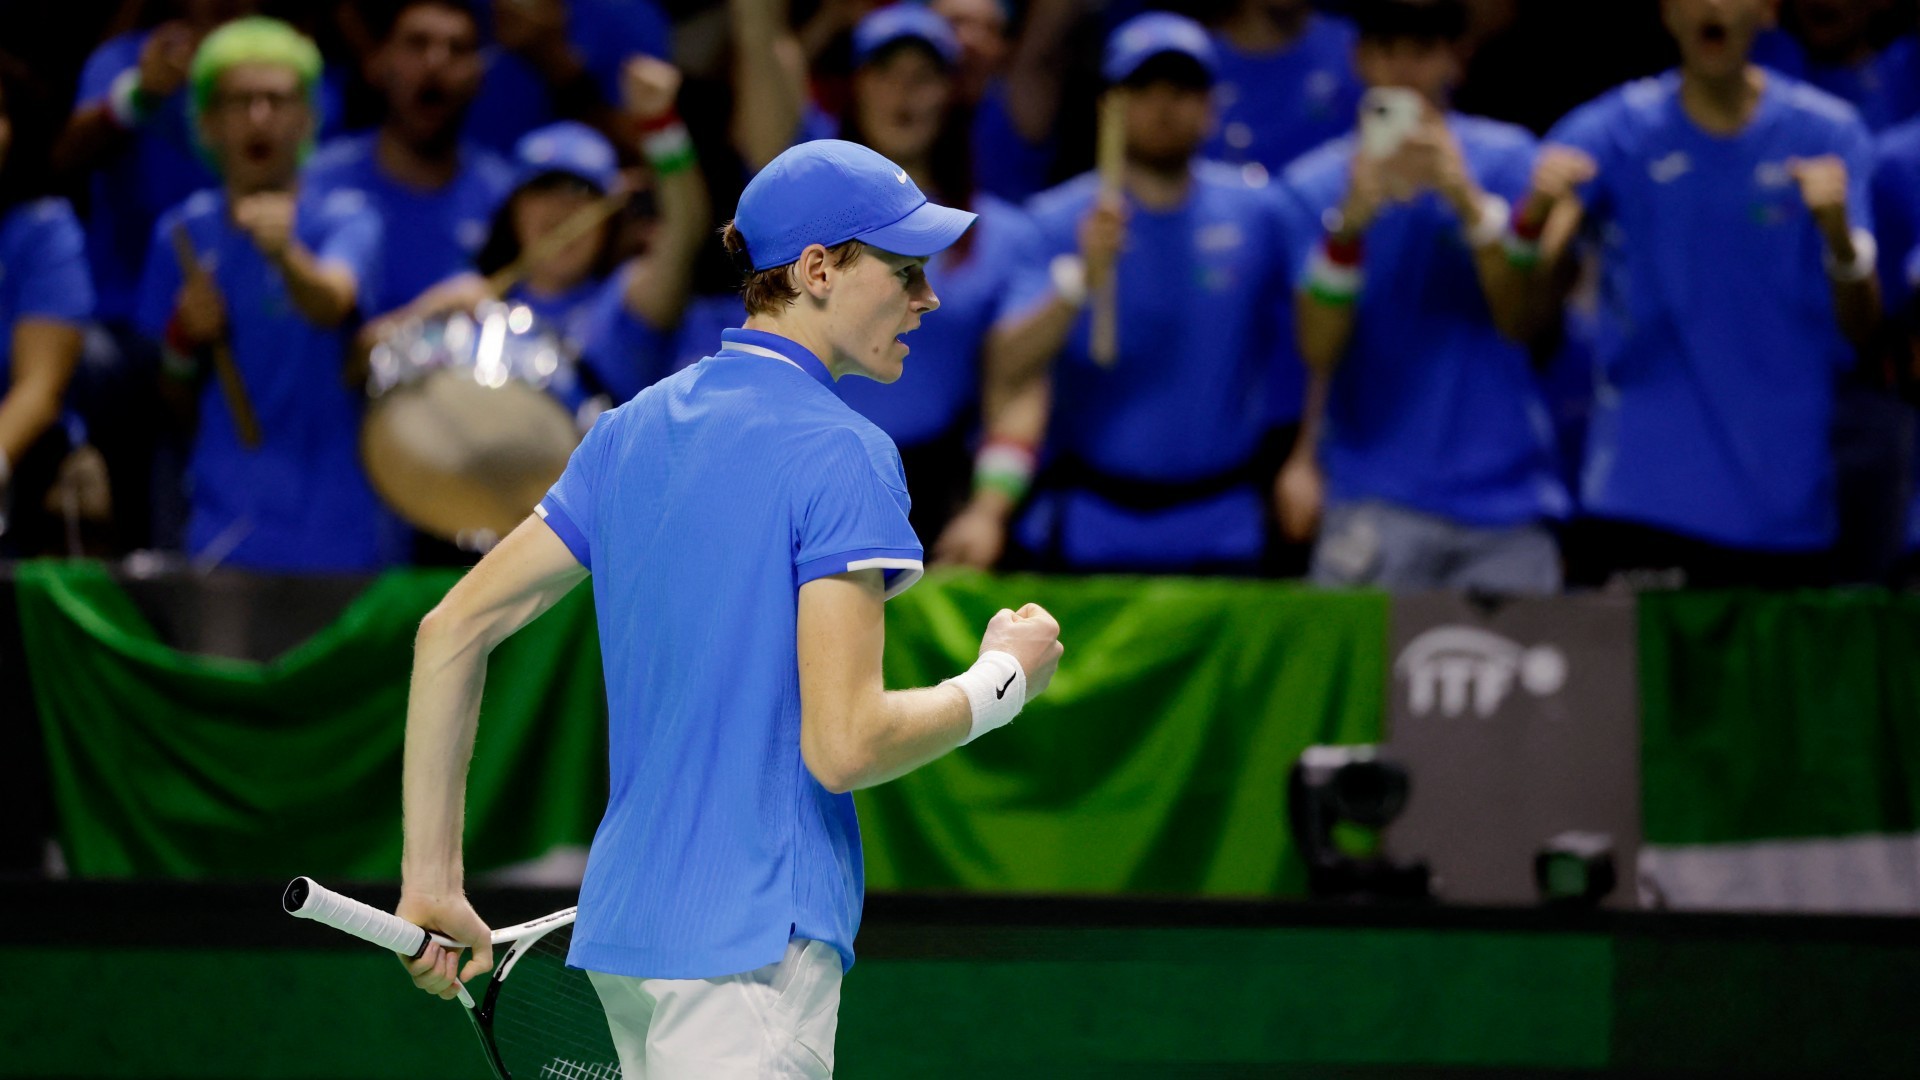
x,y
1491,227
996,688
1866,258
1069,274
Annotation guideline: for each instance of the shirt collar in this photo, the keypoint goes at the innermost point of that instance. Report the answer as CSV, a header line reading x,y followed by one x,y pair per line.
x,y
744,342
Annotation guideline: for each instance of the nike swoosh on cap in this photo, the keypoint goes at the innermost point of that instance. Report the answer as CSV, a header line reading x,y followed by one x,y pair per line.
x,y
901,176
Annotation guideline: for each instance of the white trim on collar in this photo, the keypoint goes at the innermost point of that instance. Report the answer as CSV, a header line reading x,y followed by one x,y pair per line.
x,y
755,350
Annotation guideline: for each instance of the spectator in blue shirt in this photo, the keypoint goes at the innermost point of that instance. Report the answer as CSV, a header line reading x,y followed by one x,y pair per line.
x,y
1287,82
1158,456
45,298
434,191
1013,88
277,276
905,106
1738,273
561,60
743,529
1838,46
1436,444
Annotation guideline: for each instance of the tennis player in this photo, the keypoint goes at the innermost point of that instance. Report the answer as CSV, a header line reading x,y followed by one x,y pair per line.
x,y
743,528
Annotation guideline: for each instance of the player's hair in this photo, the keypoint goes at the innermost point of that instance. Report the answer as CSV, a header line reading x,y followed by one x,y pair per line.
x,y
386,19
255,39
1410,20
771,291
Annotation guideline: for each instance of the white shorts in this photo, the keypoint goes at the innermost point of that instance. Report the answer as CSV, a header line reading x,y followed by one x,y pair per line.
x,y
775,1022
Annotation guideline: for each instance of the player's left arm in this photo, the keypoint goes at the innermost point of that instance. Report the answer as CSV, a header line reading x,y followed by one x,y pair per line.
x,y
527,574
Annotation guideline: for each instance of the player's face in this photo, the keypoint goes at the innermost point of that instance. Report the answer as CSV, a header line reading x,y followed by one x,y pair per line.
x,y
539,209
1429,68
429,69
1716,36
901,99
981,26
877,299
1166,123
255,122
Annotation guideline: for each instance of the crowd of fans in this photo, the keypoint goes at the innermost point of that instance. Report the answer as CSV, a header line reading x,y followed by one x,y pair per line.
x,y
1318,321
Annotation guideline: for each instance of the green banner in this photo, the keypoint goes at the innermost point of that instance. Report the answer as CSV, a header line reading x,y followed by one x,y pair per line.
x,y
1155,764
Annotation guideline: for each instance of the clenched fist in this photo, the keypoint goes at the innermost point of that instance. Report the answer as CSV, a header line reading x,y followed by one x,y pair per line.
x,y
1030,636
268,218
1823,188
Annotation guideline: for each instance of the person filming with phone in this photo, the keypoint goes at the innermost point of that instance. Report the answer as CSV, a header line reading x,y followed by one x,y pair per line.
x,y
1425,456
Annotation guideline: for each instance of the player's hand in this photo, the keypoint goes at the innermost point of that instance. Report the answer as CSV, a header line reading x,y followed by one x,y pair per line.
x,y
268,218
1823,188
438,970
1557,174
976,538
165,57
1030,636
1299,495
1431,160
201,310
1103,233
648,87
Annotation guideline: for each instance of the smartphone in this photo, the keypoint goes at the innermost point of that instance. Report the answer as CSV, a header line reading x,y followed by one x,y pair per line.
x,y
1388,114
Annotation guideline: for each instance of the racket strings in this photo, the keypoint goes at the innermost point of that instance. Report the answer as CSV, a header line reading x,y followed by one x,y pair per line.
x,y
548,1021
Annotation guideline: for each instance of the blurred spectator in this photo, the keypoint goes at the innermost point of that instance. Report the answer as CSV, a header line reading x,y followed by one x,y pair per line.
x,y
1158,459
45,298
1731,207
278,275
561,59
1844,48
1286,82
1013,87
434,191
906,106
1437,446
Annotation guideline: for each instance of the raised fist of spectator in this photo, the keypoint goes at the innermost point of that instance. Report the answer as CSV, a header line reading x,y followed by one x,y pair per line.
x,y
1823,187
201,310
1557,173
165,57
1103,233
268,218
1431,160
529,26
1299,495
648,87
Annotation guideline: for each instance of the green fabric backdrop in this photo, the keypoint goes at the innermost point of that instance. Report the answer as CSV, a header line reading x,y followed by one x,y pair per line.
x,y
1155,764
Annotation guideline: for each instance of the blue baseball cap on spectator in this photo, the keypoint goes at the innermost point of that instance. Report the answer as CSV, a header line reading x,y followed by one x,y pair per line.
x,y
567,147
904,22
1157,33
828,192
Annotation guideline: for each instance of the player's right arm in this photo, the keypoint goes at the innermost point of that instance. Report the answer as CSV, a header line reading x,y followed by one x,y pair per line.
x,y
527,574
854,733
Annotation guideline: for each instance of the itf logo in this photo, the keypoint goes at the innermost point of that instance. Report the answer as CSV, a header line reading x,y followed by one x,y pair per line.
x,y
1454,667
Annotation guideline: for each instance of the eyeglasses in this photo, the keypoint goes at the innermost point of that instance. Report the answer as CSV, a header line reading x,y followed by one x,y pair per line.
x,y
275,101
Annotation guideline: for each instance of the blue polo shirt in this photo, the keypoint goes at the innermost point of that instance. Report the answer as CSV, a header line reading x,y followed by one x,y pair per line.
x,y
1201,299
43,271
430,235
514,97
300,500
1431,408
1884,87
1717,344
1276,106
939,389
702,506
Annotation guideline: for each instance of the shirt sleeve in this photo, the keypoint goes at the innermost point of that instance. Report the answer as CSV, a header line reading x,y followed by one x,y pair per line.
x,y
1590,129
850,517
54,283
620,348
569,508
160,282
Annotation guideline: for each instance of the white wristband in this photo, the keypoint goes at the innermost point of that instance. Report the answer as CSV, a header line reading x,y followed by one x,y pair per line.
x,y
1491,227
996,688
1069,274
1866,258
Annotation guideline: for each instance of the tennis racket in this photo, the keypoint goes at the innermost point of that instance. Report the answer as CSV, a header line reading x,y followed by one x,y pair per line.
x,y
538,1019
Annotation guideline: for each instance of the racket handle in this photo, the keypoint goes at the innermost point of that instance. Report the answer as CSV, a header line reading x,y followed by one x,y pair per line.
x,y
306,898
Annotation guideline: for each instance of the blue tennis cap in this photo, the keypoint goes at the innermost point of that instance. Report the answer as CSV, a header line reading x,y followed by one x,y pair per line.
x,y
828,192
567,147
1156,33
904,22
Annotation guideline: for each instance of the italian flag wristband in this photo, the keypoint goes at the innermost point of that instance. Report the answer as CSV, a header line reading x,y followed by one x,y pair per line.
x,y
1333,273
667,145
1005,466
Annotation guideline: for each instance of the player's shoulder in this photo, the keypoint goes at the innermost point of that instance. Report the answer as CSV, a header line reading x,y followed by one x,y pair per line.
x,y
1808,104
1642,101
1324,164
836,433
1491,134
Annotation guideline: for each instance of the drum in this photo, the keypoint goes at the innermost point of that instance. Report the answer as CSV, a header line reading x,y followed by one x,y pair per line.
x,y
462,435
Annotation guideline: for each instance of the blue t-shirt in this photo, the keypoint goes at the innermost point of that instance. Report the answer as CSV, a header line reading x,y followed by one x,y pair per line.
x,y
43,271
1201,296
299,501
619,352
1885,87
514,98
1896,208
702,506
1276,106
1717,345
430,235
1005,164
940,386
1431,407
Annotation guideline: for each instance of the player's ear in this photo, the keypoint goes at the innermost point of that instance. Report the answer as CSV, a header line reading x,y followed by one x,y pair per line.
x,y
811,272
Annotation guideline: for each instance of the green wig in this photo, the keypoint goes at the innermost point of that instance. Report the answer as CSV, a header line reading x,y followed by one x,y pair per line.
x,y
255,39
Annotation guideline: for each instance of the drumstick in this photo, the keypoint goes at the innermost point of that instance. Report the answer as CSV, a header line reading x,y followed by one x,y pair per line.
x,y
245,423
578,224
1111,158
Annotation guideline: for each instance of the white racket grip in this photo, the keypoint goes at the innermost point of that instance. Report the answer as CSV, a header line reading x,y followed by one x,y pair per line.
x,y
306,898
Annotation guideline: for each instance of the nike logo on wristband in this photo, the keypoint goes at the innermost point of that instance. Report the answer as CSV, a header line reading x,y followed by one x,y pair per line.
x,y
1002,692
